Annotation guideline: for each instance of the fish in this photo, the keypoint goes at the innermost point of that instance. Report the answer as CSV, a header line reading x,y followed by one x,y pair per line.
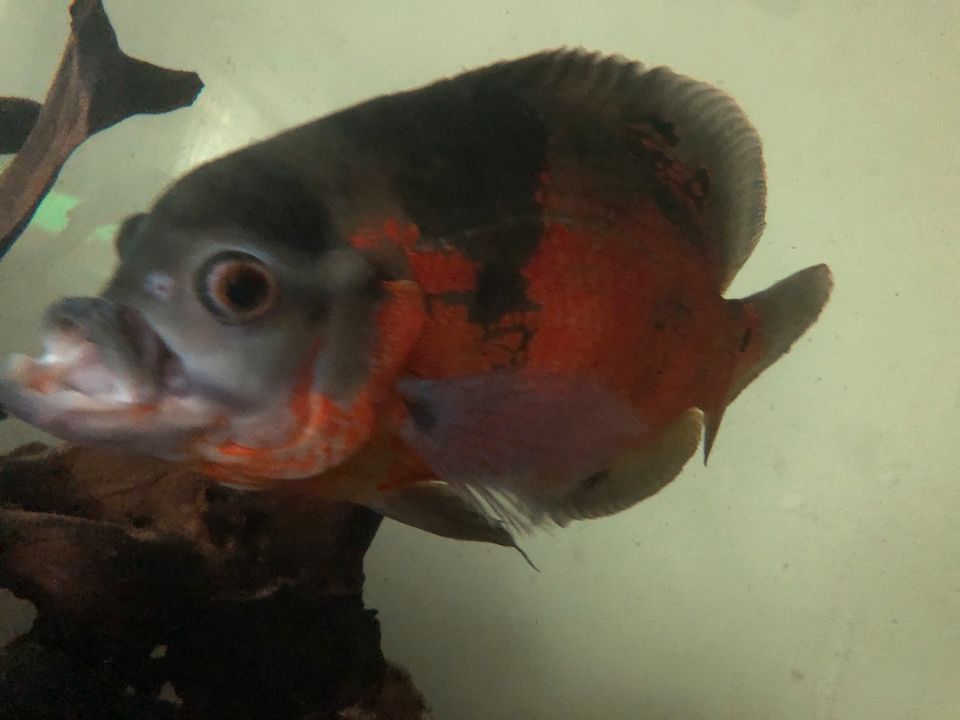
x,y
487,305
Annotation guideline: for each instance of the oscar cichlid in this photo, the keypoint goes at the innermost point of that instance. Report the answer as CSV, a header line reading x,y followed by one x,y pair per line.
x,y
492,302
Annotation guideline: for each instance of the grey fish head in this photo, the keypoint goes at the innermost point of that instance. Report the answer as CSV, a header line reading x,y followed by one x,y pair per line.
x,y
200,335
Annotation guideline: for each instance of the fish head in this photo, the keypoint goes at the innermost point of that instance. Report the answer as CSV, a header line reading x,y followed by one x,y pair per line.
x,y
215,347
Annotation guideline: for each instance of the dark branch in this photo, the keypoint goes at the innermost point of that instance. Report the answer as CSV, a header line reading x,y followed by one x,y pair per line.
x,y
96,86
123,555
17,118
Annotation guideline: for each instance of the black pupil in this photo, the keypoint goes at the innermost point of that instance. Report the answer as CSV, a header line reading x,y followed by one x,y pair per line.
x,y
246,289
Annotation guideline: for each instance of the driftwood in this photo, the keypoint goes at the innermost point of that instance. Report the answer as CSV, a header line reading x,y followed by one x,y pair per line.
x,y
96,86
158,593
17,118
248,605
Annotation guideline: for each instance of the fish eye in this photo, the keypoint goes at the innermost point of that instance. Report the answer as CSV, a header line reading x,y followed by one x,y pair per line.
x,y
237,287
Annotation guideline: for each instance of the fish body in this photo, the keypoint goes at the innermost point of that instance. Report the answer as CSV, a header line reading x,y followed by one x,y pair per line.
x,y
494,300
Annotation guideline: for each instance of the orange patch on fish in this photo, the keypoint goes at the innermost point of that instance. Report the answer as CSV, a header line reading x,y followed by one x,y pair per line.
x,y
404,234
446,271
620,297
327,433
630,304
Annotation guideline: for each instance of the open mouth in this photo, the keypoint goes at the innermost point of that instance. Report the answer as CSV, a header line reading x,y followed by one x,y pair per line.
x,y
105,377
99,355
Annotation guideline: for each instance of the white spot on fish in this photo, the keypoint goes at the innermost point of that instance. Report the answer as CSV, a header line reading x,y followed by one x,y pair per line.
x,y
159,285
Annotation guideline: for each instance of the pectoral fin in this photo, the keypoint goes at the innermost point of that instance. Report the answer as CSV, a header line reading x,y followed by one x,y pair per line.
x,y
432,505
517,442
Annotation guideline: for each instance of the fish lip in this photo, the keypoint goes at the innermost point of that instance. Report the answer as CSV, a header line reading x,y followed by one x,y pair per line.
x,y
163,431
120,339
101,360
106,378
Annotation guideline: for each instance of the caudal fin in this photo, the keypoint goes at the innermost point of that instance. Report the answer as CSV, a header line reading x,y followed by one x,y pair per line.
x,y
777,317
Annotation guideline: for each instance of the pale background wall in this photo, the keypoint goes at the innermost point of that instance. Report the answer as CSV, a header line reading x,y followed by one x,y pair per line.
x,y
812,571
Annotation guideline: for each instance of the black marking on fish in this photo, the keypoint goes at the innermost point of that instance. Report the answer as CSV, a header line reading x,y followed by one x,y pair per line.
x,y
591,481
745,341
664,129
517,353
463,156
500,290
656,155
422,414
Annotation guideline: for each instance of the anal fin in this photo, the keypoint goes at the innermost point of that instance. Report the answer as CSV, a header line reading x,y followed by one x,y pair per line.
x,y
515,442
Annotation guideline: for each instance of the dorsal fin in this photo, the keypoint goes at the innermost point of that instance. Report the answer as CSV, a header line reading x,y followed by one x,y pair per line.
x,y
706,128
713,133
